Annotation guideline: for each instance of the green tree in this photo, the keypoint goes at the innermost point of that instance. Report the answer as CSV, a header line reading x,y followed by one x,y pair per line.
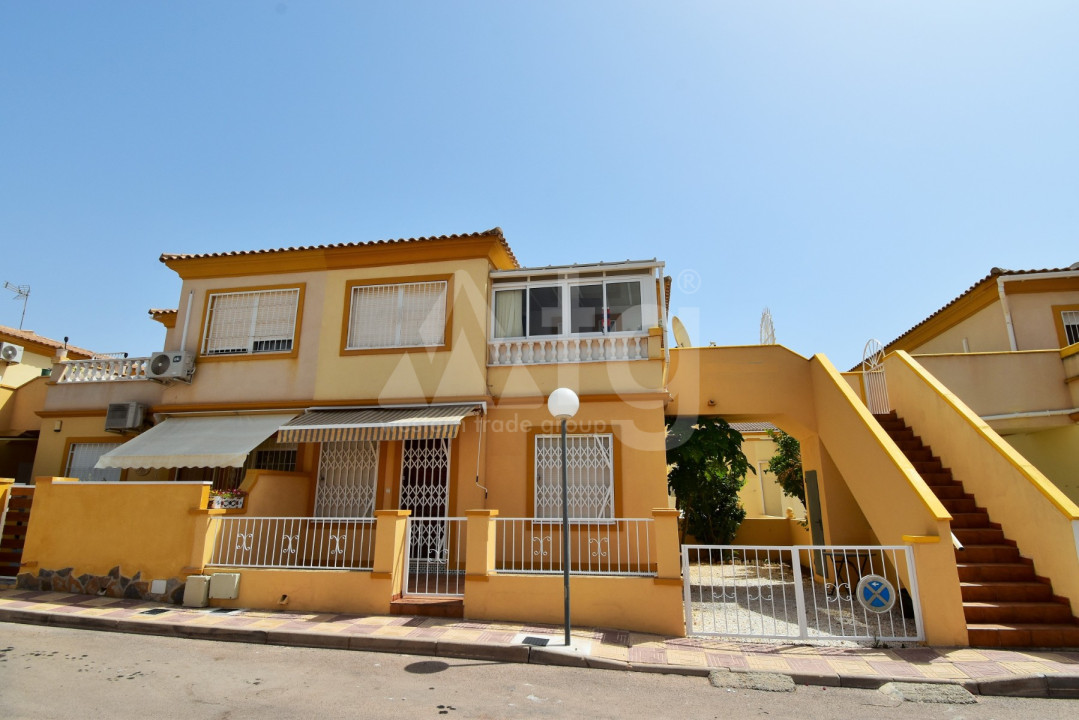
x,y
786,465
705,470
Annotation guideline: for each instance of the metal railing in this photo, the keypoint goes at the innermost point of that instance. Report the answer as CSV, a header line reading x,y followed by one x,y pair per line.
x,y
294,542
436,556
103,370
809,592
622,546
533,351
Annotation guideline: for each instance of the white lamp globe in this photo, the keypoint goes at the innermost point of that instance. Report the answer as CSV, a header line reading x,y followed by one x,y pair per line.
x,y
563,403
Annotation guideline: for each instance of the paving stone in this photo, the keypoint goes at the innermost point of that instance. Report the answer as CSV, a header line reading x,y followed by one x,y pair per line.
x,y
946,693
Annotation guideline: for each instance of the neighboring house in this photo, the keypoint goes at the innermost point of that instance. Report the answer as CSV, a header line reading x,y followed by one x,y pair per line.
x,y
1009,348
339,382
762,496
26,360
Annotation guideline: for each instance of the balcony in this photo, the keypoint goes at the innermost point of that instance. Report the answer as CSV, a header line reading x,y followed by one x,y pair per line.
x,y
103,370
538,351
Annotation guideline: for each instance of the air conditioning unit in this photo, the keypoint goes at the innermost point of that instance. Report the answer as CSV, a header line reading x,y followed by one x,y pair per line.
x,y
11,353
175,365
124,416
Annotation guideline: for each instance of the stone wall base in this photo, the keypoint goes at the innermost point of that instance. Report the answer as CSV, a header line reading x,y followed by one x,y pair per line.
x,y
114,584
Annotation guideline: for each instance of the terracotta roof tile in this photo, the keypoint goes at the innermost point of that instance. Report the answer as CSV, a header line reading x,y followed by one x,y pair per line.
x,y
497,232
31,336
991,277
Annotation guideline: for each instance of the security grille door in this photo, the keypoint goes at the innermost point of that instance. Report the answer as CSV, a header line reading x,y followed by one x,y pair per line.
x,y
425,489
347,479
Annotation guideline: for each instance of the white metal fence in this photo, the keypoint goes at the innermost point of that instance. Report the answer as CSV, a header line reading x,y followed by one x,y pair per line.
x,y
808,592
294,542
624,546
436,556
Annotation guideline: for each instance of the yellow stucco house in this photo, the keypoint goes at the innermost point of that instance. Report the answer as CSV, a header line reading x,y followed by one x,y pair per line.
x,y
363,427
1009,347
26,360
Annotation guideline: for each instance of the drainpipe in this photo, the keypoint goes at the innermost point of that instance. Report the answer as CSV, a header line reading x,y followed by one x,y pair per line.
x,y
1007,313
187,319
1030,414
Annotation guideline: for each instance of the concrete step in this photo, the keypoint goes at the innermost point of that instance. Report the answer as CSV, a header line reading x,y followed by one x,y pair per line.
x,y
949,491
996,572
981,536
1051,613
960,505
927,466
1006,592
1023,635
988,554
970,520
430,606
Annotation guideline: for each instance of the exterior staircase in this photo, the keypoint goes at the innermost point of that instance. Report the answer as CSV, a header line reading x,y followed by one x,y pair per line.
x,y
15,519
1005,603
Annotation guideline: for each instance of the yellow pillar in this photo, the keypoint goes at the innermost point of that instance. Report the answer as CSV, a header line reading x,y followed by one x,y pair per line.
x,y
668,549
390,548
480,543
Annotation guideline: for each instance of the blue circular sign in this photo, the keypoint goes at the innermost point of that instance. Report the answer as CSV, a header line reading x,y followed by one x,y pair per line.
x,y
875,594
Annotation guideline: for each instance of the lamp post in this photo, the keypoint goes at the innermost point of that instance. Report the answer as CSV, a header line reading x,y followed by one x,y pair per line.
x,y
563,404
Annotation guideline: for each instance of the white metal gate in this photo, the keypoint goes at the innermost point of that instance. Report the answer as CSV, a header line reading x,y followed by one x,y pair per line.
x,y
810,592
876,386
435,542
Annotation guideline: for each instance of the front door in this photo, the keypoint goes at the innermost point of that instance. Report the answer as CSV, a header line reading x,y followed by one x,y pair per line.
x,y
425,490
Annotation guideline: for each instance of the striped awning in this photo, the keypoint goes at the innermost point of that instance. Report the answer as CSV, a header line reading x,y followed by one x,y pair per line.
x,y
376,423
207,441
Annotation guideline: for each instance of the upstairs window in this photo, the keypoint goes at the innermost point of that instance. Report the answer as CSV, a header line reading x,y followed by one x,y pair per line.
x,y
401,315
1070,319
602,306
257,321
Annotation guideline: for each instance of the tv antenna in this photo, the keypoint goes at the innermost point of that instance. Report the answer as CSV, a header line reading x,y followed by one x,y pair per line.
x,y
768,330
21,291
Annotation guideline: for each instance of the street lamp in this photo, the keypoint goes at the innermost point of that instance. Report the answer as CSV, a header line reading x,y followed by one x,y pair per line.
x,y
563,404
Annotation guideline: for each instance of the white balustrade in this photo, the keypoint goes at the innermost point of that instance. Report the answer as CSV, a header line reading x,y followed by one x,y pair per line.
x,y
103,370
623,546
535,351
294,542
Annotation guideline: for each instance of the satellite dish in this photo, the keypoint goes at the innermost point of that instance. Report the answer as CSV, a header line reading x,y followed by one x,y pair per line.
x,y
681,337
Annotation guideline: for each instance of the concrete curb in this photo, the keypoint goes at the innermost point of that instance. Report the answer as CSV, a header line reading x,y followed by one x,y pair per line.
x,y
1028,686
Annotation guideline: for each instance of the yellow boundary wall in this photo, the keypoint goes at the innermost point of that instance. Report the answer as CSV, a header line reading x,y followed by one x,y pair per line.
x,y
158,529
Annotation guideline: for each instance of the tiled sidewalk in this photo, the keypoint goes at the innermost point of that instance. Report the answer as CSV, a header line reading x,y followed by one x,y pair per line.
x,y
996,672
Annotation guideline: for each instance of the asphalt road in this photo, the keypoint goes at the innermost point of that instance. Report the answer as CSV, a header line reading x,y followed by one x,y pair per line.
x,y
60,673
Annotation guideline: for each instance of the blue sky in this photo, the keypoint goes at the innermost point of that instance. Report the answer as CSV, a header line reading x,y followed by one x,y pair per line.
x,y
851,165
